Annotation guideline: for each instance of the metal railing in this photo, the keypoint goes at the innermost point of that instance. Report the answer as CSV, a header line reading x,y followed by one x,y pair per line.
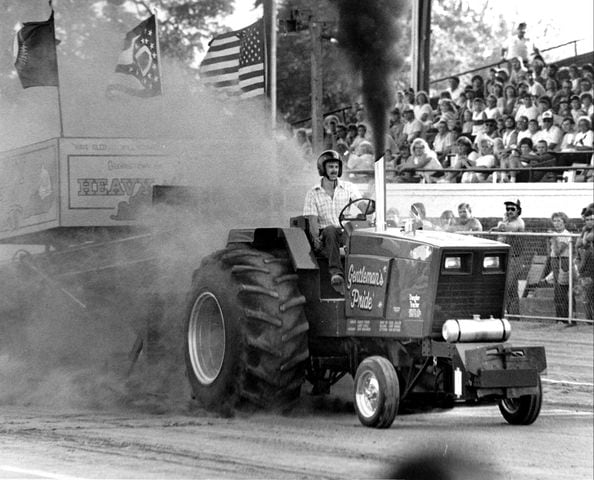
x,y
413,171
505,60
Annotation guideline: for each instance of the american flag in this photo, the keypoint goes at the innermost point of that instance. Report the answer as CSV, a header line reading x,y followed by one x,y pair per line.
x,y
234,62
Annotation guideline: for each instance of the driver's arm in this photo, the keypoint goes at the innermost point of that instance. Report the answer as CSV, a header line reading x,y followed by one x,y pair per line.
x,y
314,230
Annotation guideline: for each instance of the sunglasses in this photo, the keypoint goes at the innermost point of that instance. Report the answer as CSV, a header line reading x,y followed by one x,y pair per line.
x,y
510,209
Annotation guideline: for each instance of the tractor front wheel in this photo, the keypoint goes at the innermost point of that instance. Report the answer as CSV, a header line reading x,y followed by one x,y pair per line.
x,y
523,410
377,392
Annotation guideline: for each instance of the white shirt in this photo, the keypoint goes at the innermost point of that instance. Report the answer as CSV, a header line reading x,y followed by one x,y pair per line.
x,y
319,203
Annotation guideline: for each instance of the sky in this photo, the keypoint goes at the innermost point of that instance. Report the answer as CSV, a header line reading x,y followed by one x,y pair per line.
x,y
573,21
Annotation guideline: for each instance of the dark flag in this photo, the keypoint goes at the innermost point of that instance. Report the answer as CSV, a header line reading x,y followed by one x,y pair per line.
x,y
234,62
138,70
35,49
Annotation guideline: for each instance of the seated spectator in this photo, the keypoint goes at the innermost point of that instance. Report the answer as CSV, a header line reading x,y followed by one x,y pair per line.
x,y
551,133
535,131
400,101
551,88
563,110
543,158
362,157
584,137
587,105
491,81
447,221
576,108
513,162
465,221
522,127
421,156
544,105
342,145
467,123
397,129
509,135
412,129
361,135
516,70
478,85
443,141
423,110
446,111
465,158
586,86
351,133
454,88
526,108
574,77
568,127
485,160
535,88
564,92
490,131
492,110
478,116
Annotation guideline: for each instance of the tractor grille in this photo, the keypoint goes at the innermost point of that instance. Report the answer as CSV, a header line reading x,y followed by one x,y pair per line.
x,y
462,296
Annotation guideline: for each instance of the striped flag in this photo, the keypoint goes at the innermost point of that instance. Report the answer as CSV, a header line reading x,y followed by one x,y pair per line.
x,y
234,62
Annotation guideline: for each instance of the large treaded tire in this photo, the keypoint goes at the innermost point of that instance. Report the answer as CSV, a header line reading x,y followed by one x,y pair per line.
x,y
523,410
246,331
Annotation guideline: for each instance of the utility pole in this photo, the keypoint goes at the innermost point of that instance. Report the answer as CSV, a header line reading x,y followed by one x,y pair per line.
x,y
317,120
420,44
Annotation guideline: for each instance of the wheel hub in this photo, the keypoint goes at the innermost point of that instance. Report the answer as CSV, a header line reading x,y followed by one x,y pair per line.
x,y
206,338
367,395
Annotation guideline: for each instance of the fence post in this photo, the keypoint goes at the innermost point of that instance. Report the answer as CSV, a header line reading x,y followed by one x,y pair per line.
x,y
570,295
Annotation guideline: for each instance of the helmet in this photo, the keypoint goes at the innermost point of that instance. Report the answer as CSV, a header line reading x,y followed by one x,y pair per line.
x,y
329,156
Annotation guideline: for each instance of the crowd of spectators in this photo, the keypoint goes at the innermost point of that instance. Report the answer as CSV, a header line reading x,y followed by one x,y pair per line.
x,y
517,118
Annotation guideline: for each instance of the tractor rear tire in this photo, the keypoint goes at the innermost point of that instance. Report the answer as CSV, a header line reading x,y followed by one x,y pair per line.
x,y
523,410
377,392
246,331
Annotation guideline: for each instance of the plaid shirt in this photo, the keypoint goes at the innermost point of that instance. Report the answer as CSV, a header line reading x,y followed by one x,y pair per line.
x,y
326,208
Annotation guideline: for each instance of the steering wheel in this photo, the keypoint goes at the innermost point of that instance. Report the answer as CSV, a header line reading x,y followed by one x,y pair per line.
x,y
369,205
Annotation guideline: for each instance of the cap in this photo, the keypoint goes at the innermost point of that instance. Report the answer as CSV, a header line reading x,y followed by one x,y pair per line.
x,y
548,115
516,204
408,108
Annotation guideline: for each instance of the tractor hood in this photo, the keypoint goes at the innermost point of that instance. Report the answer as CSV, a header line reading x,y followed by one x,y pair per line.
x,y
433,238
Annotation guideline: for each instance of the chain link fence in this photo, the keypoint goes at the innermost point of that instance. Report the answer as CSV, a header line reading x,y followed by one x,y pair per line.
x,y
542,286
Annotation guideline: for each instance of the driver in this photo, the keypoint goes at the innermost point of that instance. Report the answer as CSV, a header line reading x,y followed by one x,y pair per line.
x,y
323,204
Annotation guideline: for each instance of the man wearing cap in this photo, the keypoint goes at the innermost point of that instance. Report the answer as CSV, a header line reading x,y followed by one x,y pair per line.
x,y
512,223
323,204
551,133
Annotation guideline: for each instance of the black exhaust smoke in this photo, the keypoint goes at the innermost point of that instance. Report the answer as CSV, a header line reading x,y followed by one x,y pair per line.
x,y
368,33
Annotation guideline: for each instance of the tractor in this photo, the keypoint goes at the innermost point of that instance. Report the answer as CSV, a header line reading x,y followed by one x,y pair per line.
x,y
421,322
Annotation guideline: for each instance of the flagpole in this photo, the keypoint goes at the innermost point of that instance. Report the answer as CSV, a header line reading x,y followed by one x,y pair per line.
x,y
158,52
273,46
60,115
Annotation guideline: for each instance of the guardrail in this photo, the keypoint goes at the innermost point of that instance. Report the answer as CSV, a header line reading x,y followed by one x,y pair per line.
x,y
393,173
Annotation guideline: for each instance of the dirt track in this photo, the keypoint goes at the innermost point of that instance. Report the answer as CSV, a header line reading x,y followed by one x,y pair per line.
x,y
320,438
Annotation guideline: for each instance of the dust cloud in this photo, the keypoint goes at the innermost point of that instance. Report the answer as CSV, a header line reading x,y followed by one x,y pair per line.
x,y
67,339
